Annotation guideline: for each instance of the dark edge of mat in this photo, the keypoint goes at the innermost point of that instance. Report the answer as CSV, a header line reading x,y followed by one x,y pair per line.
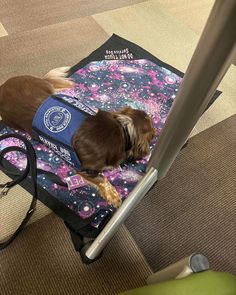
x,y
116,42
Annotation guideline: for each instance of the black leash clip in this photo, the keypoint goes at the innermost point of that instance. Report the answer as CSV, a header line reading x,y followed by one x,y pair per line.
x,y
5,190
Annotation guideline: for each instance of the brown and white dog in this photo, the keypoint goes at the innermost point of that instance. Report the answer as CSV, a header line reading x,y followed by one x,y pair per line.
x,y
100,142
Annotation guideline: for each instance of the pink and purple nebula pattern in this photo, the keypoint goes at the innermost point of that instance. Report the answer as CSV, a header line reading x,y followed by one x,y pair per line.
x,y
107,85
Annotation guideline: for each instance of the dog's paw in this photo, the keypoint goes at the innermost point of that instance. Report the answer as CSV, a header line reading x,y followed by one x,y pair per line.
x,y
114,199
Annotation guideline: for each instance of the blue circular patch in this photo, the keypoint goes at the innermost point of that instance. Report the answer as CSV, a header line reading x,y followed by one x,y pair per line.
x,y
56,119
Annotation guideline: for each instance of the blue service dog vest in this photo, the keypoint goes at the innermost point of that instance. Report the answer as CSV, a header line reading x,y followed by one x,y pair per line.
x,y
56,122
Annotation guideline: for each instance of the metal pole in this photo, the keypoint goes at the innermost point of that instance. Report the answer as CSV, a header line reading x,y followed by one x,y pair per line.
x,y
121,214
208,65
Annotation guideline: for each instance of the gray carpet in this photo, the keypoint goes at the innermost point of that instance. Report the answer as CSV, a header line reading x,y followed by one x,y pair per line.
x,y
193,209
49,47
18,16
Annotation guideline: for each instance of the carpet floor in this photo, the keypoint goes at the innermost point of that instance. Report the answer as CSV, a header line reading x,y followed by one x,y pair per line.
x,y
193,209
43,261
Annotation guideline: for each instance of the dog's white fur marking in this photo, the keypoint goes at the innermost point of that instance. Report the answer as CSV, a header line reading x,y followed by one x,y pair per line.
x,y
58,77
58,73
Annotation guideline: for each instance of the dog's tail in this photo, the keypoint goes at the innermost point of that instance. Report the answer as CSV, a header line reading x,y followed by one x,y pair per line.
x,y
58,78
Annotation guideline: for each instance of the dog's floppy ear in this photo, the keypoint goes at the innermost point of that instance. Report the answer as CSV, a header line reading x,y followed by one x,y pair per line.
x,y
141,148
144,131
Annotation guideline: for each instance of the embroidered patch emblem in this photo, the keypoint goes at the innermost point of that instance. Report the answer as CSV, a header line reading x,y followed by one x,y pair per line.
x,y
56,119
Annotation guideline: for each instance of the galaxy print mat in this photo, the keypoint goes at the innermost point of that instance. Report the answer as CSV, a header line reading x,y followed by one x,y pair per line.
x,y
116,75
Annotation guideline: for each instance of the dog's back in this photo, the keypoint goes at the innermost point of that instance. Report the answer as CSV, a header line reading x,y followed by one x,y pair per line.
x,y
21,96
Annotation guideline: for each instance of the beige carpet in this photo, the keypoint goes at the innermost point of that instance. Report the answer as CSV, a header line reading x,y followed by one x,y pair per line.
x,y
193,209
42,261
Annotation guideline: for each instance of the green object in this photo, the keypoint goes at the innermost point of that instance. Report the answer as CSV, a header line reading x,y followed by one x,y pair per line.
x,y
204,283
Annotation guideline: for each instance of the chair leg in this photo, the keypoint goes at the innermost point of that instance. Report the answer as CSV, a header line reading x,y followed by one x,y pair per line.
x,y
121,214
180,269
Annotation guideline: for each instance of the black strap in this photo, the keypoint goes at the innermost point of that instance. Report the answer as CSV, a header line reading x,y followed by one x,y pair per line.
x,y
18,176
29,170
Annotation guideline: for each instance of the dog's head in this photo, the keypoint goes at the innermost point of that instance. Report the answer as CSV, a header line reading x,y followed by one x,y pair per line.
x,y
144,132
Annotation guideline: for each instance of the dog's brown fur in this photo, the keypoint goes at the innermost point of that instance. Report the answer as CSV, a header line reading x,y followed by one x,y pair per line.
x,y
100,140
